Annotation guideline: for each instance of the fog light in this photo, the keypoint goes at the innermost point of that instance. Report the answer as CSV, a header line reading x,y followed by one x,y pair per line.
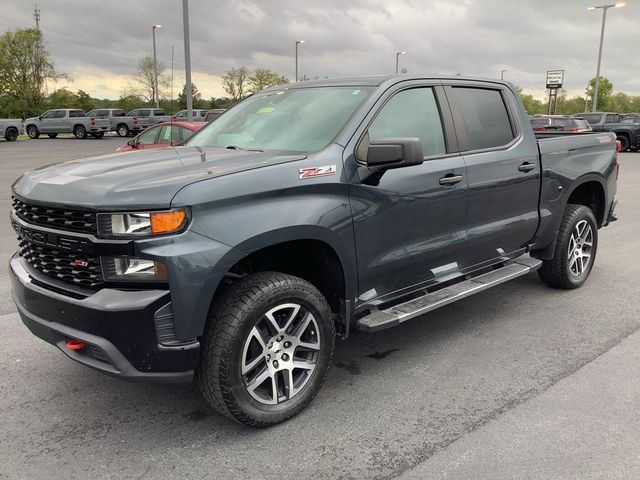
x,y
118,269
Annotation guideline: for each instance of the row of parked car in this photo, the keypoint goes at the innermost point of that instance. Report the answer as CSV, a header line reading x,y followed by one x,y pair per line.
x,y
625,126
96,122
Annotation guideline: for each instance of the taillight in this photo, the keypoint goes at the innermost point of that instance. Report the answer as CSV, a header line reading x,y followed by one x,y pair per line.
x,y
93,121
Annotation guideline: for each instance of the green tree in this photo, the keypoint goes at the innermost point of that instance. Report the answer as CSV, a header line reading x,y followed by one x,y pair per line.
x,y
221,102
235,82
85,101
25,67
129,102
264,78
605,90
532,105
196,98
63,98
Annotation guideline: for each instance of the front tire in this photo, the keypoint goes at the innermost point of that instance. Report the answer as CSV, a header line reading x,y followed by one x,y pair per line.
x,y
33,132
79,132
267,349
575,250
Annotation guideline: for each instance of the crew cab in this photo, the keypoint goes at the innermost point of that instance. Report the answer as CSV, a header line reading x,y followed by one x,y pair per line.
x,y
150,115
304,212
66,120
122,124
10,129
627,133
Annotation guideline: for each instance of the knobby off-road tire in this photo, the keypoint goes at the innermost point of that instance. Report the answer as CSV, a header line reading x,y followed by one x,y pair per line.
x,y
575,250
267,348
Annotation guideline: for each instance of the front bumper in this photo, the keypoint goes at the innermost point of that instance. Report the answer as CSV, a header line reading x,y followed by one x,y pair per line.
x,y
119,327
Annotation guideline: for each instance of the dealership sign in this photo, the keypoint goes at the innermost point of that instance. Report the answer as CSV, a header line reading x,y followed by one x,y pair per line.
x,y
554,78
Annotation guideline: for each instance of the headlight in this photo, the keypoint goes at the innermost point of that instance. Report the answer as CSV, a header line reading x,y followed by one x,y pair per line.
x,y
142,224
118,269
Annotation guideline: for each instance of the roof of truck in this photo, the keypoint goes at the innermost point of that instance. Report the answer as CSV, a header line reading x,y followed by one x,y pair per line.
x,y
377,80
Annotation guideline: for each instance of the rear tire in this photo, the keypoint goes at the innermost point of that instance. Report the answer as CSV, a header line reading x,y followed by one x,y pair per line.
x,y
11,135
122,130
575,250
52,135
267,348
624,142
80,132
33,132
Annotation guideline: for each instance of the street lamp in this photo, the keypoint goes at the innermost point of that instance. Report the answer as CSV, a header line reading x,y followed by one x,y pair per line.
x,y
155,66
398,56
502,74
604,18
298,42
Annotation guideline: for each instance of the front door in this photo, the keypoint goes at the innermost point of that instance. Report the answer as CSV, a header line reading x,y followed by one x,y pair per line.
x,y
410,223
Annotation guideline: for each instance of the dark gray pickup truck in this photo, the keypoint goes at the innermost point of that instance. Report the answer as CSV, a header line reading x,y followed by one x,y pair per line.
x,y
304,212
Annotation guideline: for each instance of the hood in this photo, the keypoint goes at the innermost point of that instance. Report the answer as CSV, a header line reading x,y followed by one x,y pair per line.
x,y
31,119
139,179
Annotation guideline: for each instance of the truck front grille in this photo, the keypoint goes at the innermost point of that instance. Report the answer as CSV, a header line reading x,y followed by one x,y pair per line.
x,y
58,218
81,270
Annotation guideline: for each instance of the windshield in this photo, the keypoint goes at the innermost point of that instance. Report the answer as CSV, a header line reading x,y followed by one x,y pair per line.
x,y
301,120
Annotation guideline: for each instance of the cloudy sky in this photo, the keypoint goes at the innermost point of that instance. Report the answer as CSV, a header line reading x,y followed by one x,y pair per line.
x,y
99,42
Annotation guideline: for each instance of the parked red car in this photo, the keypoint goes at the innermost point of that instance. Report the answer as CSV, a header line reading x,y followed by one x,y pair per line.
x,y
162,135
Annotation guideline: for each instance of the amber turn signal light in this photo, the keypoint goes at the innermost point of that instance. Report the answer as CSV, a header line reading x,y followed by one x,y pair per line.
x,y
168,222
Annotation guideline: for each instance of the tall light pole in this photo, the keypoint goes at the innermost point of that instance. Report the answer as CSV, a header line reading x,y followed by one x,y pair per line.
x,y
298,42
397,57
604,19
502,74
187,58
155,67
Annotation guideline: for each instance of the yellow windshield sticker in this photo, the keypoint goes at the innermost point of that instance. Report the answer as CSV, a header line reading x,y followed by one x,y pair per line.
x,y
266,110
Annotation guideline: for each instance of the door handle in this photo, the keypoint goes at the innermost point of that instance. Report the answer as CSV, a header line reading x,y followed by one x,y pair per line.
x,y
526,167
450,179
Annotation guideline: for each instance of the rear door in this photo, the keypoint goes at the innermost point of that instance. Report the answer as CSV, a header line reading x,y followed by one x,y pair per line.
x,y
503,171
410,222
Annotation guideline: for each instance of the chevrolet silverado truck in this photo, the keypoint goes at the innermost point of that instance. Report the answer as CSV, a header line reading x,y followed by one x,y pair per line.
x,y
66,120
627,133
304,212
122,124
151,115
10,129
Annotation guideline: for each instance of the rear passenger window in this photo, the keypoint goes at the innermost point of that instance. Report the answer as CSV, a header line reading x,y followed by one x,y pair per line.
x,y
481,118
411,113
611,119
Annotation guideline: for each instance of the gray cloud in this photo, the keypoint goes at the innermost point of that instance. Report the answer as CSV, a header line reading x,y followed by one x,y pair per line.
x,y
473,37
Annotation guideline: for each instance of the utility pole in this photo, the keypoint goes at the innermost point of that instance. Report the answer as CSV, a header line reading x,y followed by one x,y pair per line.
x,y
187,58
155,67
39,50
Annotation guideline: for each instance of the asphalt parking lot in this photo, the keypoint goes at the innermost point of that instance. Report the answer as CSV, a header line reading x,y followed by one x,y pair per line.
x,y
518,382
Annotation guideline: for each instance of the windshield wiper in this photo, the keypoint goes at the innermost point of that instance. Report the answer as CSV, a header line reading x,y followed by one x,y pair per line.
x,y
235,147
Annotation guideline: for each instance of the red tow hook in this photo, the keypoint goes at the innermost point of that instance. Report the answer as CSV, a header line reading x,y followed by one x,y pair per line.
x,y
75,344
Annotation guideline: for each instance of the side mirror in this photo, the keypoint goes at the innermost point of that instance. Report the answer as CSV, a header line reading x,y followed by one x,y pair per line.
x,y
387,153
39,117
132,143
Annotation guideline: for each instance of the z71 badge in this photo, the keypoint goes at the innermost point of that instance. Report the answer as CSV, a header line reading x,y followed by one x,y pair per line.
x,y
313,172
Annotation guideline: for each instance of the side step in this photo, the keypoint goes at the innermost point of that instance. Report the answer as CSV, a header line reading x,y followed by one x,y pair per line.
x,y
392,316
